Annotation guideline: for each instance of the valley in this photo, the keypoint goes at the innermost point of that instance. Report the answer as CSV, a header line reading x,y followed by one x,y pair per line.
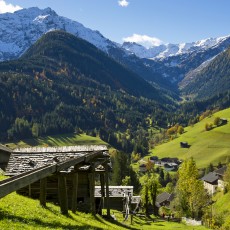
x,y
162,111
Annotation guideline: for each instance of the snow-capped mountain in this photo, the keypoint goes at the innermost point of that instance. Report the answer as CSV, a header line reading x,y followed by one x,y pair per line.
x,y
19,30
162,65
168,50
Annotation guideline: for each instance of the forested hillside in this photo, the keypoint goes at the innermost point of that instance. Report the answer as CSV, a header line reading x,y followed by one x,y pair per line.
x,y
211,80
64,84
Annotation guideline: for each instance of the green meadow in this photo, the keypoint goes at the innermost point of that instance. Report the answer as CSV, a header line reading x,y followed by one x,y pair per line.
x,y
18,212
58,140
205,146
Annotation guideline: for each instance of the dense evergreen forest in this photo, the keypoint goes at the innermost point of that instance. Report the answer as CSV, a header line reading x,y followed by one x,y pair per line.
x,y
63,84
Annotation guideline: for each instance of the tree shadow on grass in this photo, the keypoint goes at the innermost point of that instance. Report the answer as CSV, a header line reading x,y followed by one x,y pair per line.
x,y
35,222
31,142
112,221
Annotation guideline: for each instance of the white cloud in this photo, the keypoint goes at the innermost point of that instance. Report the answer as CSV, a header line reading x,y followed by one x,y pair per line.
x,y
123,3
144,40
8,7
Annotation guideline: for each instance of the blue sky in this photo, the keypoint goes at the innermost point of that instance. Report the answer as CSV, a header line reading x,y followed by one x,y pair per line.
x,y
152,21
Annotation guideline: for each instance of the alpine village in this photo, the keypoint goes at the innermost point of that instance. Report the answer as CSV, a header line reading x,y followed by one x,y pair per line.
x,y
96,136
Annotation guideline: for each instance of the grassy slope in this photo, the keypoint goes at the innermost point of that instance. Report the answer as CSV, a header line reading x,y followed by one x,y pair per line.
x,y
221,207
206,146
18,212
222,203
59,140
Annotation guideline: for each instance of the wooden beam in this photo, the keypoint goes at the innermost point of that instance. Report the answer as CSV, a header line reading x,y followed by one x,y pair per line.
x,y
62,193
84,158
107,189
29,188
74,192
92,156
43,185
15,183
102,180
91,177
69,163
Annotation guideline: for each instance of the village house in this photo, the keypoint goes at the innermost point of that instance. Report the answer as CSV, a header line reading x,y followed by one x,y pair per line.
x,y
143,168
168,163
154,159
164,199
214,180
184,144
171,167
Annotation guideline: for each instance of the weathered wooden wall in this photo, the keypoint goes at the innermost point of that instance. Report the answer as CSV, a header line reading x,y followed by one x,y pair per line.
x,y
4,158
83,190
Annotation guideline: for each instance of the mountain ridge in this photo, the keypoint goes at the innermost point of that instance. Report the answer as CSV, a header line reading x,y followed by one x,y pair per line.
x,y
20,30
64,84
169,50
210,79
30,24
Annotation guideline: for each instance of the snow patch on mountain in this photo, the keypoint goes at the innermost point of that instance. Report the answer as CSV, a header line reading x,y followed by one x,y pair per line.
x,y
19,30
168,50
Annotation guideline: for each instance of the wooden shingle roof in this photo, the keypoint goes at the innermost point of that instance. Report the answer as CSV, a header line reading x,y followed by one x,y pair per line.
x,y
163,197
210,178
221,171
213,177
26,159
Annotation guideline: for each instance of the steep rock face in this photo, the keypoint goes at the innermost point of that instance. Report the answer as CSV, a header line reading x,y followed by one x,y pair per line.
x,y
19,30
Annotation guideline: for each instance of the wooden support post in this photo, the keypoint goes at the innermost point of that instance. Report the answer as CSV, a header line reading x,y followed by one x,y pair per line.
x,y
102,180
29,188
74,194
107,189
91,192
43,185
62,193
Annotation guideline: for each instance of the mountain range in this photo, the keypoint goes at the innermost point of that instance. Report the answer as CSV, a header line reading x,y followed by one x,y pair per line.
x,y
168,50
19,30
64,84
56,76
165,66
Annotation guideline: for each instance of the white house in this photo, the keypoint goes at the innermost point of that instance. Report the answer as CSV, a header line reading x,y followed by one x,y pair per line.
x,y
214,180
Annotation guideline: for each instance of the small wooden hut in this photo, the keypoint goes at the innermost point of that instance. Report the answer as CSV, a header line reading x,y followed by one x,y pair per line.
x,y
71,182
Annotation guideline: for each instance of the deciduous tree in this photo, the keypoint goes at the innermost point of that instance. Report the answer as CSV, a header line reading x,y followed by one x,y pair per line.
x,y
150,186
191,196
